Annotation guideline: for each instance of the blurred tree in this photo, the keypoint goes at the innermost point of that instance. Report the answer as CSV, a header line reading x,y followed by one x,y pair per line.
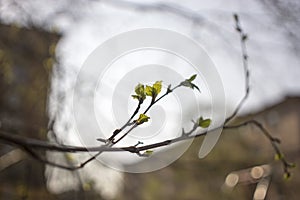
x,y
25,69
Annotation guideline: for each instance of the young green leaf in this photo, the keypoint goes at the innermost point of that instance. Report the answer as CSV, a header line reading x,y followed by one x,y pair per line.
x,y
204,123
278,156
140,92
192,78
195,86
157,87
153,90
148,152
287,175
149,91
142,119
188,83
135,96
139,89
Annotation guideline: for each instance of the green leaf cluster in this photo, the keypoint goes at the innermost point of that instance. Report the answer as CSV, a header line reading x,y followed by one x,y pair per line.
x,y
203,123
287,175
142,119
141,91
153,90
189,83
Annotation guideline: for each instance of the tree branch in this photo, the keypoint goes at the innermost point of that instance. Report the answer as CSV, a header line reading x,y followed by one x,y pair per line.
x,y
31,145
243,38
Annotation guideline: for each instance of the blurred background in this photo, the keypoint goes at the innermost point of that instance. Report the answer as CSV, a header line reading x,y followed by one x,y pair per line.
x,y
43,44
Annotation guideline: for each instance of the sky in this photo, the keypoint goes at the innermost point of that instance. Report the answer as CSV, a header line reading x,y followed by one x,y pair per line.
x,y
273,47
273,59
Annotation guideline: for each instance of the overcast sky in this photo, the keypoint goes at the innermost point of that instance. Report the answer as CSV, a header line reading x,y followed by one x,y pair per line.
x,y
272,31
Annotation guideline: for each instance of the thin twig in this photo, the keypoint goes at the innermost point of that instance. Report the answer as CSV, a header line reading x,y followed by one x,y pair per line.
x,y
243,38
117,131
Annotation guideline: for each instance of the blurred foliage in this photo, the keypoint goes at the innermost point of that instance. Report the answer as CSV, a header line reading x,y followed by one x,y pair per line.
x,y
26,58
